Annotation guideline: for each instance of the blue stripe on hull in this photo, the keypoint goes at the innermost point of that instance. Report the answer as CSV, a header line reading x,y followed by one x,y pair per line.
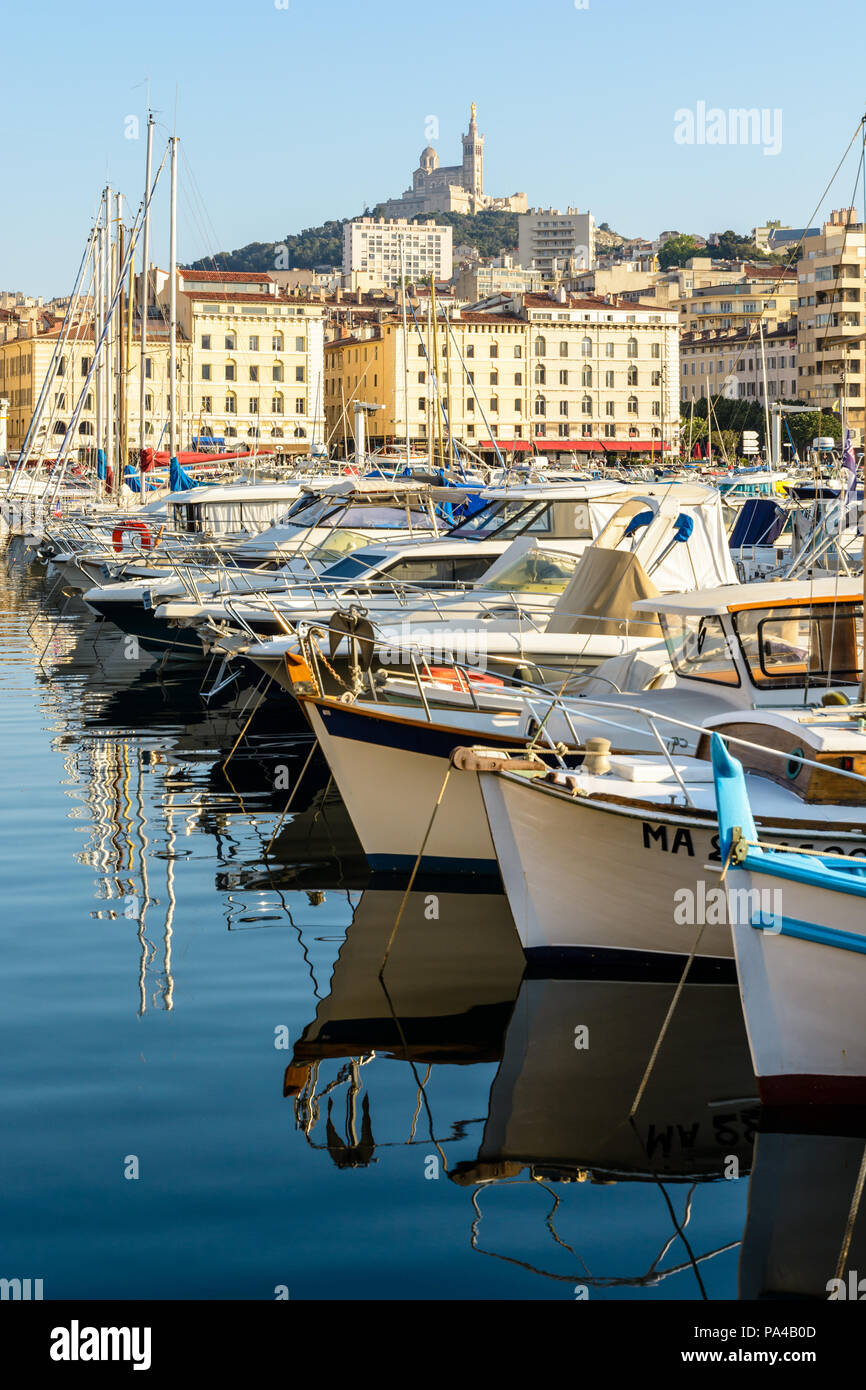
x,y
438,865
603,963
344,722
811,931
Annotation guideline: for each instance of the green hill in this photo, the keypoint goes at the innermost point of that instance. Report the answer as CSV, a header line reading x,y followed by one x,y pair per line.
x,y
489,232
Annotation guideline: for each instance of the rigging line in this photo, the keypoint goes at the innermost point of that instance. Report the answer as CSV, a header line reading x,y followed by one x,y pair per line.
x,y
852,1218
794,256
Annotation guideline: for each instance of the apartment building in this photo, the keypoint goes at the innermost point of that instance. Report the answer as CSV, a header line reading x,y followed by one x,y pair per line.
x,y
549,372
376,249
555,242
730,364
765,293
249,367
831,318
501,276
26,360
256,365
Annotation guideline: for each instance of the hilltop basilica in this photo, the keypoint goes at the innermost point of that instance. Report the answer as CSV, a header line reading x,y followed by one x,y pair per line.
x,y
452,187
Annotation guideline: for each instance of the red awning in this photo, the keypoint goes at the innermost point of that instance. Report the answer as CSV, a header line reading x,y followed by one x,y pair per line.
x,y
583,446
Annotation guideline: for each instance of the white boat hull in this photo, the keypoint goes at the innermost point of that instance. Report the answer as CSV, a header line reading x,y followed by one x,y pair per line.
x,y
595,878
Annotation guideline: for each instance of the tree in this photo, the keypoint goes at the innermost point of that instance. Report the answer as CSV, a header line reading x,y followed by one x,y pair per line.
x,y
677,250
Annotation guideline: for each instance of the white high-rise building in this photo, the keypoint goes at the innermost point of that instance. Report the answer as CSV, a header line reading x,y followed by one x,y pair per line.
x,y
372,247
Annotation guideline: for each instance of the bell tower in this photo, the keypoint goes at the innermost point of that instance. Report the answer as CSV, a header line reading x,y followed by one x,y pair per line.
x,y
473,157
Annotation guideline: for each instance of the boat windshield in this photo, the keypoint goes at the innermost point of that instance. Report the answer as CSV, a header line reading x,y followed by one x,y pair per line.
x,y
799,646
698,647
338,543
382,518
535,572
504,518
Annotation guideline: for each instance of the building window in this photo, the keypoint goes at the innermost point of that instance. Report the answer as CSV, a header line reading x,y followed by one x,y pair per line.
x,y
299,344
518,408
231,406
608,380
540,375
277,372
563,407
148,368
586,431
254,373
205,371
494,378
563,378
655,378
205,342
518,378
540,406
631,348
422,404
470,406
231,373
494,405
518,350
277,342
586,376
610,431
540,347
518,431
657,407
563,348
609,408
85,366
632,405
656,350
300,405
586,347
540,431
608,349
586,405
254,342
231,342
563,431
494,349
148,402
470,349
299,374
277,405
254,405
421,351
632,376
205,404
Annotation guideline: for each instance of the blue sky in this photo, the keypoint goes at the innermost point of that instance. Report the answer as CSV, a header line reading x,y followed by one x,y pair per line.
x,y
291,115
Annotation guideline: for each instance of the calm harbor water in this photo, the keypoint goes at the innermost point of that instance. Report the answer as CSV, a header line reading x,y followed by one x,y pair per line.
x,y
189,993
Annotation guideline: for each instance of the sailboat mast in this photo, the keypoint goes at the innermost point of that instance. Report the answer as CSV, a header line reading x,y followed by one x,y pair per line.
x,y
144,292
405,342
98,321
172,327
108,346
768,448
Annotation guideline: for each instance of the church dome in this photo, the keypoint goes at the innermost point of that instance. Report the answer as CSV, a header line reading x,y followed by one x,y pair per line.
x,y
429,158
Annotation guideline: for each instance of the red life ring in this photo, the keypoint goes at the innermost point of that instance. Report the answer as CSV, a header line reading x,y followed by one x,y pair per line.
x,y
447,675
139,526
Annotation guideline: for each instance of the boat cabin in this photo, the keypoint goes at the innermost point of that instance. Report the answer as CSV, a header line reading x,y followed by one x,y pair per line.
x,y
764,644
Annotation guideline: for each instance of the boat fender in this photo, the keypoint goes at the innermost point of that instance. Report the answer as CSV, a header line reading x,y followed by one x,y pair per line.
x,y
475,760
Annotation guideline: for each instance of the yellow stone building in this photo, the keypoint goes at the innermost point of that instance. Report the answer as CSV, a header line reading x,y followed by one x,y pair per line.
x,y
548,372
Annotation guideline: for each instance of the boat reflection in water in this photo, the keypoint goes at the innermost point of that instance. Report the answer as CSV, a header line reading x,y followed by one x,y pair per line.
x,y
806,1227
570,1100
